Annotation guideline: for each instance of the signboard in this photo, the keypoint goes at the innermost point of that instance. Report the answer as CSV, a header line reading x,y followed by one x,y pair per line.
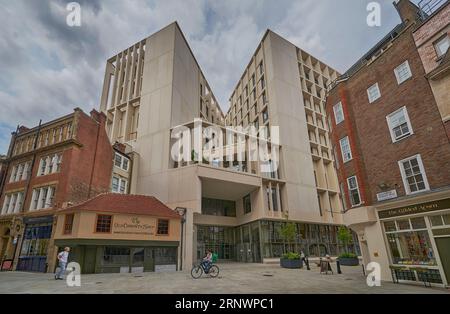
x,y
384,196
134,225
415,209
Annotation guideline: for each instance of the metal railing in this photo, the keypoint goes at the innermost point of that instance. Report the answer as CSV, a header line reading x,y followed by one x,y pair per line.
x,y
428,7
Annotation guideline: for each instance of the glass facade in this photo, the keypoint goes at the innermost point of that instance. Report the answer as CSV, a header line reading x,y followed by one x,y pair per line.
x,y
409,242
214,207
33,254
263,239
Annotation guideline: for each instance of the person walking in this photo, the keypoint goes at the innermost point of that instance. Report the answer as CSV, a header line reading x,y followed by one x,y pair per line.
x,y
62,259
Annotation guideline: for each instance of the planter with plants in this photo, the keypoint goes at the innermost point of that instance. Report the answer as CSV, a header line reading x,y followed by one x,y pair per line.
x,y
291,261
346,238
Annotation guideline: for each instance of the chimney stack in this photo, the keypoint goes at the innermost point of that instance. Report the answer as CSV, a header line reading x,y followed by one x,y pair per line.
x,y
408,11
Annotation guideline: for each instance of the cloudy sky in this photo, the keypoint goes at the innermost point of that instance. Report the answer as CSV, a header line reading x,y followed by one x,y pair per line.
x,y
49,68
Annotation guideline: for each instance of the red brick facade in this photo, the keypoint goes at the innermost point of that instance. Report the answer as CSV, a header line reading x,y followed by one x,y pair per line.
x,y
375,156
85,169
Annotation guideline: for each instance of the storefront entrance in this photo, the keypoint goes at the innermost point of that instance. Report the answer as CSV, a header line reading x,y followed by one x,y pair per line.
x,y
33,252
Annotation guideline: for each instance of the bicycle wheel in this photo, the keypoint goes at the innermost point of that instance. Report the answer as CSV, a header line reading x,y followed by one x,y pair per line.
x,y
214,271
196,272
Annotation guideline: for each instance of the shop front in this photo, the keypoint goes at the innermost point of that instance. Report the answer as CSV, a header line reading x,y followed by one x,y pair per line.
x,y
120,234
418,241
35,244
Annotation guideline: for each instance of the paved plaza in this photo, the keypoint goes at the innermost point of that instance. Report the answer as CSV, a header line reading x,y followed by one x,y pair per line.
x,y
234,278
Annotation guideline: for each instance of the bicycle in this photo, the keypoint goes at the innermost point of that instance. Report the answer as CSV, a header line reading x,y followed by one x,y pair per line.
x,y
198,270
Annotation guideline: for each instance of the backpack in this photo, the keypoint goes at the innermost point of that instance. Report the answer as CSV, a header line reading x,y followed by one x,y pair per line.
x,y
215,257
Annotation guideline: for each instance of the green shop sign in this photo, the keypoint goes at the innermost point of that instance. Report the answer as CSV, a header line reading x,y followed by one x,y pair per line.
x,y
415,209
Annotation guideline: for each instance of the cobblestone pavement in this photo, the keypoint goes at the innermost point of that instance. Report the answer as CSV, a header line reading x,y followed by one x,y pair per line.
x,y
233,278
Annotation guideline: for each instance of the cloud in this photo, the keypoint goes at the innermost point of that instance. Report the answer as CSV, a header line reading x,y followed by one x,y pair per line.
x,y
49,68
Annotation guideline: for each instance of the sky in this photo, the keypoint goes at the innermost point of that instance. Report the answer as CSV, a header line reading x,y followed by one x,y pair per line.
x,y
49,68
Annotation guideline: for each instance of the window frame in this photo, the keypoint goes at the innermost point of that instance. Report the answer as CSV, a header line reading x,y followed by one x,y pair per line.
x,y
422,172
122,162
350,191
372,100
391,127
445,37
168,227
66,231
396,72
344,159
335,110
110,224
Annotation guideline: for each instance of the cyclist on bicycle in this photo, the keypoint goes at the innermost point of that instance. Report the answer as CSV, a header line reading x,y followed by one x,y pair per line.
x,y
207,261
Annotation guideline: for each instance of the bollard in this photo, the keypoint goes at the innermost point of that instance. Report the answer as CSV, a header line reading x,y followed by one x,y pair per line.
x,y
307,264
338,266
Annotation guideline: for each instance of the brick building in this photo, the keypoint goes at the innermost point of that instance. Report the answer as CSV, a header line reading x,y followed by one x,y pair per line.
x,y
393,156
62,162
433,39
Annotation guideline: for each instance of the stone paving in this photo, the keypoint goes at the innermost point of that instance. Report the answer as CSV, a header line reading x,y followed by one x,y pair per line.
x,y
233,278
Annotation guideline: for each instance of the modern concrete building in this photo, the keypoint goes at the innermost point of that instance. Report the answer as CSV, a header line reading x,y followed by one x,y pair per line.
x,y
394,156
156,86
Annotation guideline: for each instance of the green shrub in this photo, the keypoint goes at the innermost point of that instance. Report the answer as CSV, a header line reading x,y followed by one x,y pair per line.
x,y
348,255
291,256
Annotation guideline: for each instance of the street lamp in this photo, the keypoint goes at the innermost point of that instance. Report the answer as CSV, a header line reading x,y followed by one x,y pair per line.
x,y
182,212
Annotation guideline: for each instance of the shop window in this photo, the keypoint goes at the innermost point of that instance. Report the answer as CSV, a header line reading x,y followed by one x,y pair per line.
x,y
436,221
411,248
247,204
103,224
116,256
390,226
68,224
163,227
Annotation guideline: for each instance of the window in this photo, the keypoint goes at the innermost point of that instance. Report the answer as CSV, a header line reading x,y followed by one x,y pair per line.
x,y
403,72
399,124
441,46
409,242
353,189
413,175
338,113
263,83
346,149
6,203
261,68
50,164
247,204
163,227
42,198
121,161
217,207
68,224
274,199
119,185
373,92
265,115
103,224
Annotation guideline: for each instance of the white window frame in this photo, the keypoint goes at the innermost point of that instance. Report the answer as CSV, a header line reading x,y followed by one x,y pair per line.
x,y
350,191
346,159
422,172
122,162
338,109
400,80
443,39
374,87
391,126
120,182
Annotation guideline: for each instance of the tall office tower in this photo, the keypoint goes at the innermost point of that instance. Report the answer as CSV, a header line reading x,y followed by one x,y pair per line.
x,y
233,208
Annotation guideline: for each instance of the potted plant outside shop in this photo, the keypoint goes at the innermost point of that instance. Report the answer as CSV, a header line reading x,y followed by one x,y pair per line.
x,y
291,261
346,238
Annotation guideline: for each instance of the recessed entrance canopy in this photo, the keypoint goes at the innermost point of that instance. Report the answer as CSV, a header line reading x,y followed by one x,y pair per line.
x,y
226,190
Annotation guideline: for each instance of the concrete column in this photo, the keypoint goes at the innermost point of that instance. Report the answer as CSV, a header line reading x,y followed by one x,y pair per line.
x,y
190,241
